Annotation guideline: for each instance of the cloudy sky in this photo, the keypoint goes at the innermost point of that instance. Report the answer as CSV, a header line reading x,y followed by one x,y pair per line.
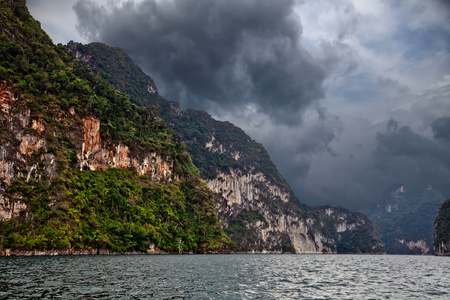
x,y
348,97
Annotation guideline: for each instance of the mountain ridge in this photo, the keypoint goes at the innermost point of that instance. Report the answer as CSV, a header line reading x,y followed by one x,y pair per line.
x,y
254,202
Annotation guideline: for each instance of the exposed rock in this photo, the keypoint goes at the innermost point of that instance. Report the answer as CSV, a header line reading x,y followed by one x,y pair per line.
x,y
31,143
28,145
152,89
10,208
441,232
238,187
38,125
419,247
280,226
95,156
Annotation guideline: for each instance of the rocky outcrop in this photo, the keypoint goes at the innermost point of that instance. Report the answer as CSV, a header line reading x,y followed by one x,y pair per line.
x,y
414,247
441,231
11,207
239,187
271,222
95,156
25,150
16,149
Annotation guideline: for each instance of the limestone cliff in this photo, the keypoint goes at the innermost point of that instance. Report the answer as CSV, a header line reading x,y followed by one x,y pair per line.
x,y
441,232
82,169
24,152
263,217
95,156
254,202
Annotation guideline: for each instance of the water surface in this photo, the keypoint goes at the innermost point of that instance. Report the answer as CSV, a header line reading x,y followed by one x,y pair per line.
x,y
225,277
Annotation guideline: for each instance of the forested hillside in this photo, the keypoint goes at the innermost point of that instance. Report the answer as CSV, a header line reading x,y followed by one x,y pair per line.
x,y
405,219
81,167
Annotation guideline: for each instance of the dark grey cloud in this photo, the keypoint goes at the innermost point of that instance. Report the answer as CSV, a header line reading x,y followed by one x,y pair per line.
x,y
441,128
244,61
410,147
392,125
415,159
230,53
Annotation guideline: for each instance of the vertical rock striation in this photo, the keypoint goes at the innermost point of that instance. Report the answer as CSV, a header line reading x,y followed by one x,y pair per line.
x,y
441,232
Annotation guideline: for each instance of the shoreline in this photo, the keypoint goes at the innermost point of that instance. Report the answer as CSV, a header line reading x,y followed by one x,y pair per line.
x,y
156,251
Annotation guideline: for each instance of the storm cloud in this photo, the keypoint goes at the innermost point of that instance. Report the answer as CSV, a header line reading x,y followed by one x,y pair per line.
x,y
230,54
415,158
348,96
410,147
441,129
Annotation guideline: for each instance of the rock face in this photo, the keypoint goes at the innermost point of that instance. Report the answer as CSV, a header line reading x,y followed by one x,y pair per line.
x,y
83,168
405,220
15,149
254,202
441,232
262,216
95,156
24,145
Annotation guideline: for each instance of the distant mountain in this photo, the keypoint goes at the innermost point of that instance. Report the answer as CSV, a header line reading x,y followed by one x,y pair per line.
x,y
405,220
254,202
82,169
441,232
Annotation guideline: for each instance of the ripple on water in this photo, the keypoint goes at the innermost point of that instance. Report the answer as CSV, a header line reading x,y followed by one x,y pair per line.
x,y
225,277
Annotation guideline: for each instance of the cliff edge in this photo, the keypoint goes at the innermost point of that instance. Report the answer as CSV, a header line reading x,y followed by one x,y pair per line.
x,y
441,232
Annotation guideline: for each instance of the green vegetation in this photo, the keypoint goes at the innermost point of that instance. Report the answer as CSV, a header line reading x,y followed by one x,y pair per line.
x,y
411,219
116,67
356,241
51,80
112,209
241,230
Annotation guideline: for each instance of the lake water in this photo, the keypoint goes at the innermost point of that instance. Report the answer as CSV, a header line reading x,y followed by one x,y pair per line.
x,y
238,276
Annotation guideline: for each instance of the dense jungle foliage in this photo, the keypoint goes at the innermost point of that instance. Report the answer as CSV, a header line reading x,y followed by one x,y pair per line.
x,y
114,209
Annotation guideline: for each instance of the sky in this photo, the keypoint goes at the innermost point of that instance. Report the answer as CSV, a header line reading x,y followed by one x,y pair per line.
x,y
348,97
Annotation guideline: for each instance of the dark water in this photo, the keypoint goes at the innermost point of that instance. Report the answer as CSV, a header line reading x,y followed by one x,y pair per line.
x,y
225,277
